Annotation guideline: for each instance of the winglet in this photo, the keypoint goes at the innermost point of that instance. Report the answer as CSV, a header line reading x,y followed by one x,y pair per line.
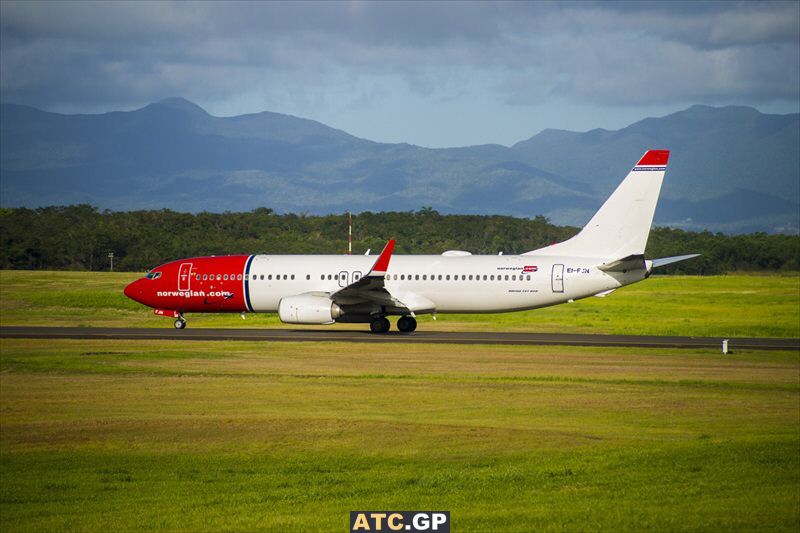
x,y
382,264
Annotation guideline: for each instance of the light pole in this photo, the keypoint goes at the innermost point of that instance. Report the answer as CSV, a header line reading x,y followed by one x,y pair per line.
x,y
111,257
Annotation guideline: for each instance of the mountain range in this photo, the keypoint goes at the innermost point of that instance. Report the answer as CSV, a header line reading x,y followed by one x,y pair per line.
x,y
732,169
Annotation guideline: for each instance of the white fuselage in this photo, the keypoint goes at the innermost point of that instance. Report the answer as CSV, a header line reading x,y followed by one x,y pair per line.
x,y
439,283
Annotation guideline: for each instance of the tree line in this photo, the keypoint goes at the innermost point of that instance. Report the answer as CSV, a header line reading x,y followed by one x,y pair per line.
x,y
80,237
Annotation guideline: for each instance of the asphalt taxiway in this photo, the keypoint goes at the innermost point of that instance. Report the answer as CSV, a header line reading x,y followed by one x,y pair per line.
x,y
420,336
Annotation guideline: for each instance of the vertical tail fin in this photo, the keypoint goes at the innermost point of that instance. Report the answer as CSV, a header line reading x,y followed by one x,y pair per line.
x,y
621,227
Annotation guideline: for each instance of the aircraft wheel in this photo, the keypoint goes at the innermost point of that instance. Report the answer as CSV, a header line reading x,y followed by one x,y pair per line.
x,y
180,323
407,324
379,325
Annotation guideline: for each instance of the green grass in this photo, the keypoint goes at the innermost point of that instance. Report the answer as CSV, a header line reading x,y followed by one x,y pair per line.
x,y
739,305
140,435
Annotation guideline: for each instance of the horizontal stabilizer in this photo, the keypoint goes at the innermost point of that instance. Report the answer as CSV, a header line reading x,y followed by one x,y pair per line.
x,y
669,260
632,262
604,293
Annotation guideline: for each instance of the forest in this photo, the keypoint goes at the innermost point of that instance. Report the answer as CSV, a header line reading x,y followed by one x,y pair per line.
x,y
80,237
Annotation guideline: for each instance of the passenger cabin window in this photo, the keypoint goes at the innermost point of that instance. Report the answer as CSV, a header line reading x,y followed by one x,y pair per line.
x,y
308,276
284,277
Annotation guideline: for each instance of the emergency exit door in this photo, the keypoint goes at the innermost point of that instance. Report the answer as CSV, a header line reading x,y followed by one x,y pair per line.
x,y
558,278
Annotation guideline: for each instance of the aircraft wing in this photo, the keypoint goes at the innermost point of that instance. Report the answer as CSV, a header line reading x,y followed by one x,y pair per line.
x,y
371,288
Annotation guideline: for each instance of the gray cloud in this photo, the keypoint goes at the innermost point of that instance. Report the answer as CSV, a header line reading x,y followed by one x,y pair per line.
x,y
93,55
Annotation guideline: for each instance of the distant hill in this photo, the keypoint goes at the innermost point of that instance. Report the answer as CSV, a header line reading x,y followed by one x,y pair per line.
x,y
732,169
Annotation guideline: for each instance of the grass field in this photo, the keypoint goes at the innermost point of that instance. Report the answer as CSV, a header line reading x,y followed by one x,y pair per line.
x,y
138,435
124,435
730,306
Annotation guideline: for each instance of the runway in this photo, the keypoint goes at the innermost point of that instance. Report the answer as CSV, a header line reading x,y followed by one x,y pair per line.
x,y
435,337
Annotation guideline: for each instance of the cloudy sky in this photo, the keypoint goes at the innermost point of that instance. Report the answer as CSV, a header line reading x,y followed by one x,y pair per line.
x,y
433,74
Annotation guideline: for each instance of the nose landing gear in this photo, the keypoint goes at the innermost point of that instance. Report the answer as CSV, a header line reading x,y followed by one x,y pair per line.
x,y
179,323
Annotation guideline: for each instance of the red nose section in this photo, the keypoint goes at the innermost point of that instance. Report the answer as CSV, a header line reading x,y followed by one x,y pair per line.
x,y
135,292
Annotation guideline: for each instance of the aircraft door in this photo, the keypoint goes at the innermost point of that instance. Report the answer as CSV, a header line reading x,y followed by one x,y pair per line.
x,y
343,279
185,277
558,278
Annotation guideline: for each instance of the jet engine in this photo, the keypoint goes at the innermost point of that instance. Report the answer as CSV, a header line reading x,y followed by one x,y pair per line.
x,y
308,309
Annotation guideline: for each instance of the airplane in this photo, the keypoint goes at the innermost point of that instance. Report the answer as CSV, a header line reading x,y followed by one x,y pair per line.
x,y
608,253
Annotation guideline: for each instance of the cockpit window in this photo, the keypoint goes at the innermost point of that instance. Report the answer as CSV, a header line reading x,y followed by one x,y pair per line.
x,y
153,275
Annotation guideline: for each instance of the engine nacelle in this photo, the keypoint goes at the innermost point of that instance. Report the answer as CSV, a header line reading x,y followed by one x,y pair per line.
x,y
308,309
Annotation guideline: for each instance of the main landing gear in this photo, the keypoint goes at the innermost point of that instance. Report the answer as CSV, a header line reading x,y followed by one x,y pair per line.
x,y
379,325
179,323
405,324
